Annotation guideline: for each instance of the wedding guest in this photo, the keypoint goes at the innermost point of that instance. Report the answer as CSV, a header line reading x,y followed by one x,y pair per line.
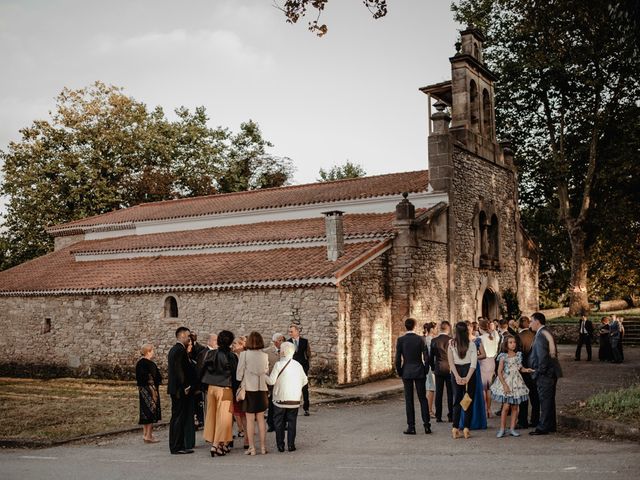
x,y
198,398
462,356
479,413
148,379
273,353
604,350
192,398
526,342
585,333
509,387
237,347
439,363
218,373
287,378
302,356
429,331
490,344
253,368
615,339
179,389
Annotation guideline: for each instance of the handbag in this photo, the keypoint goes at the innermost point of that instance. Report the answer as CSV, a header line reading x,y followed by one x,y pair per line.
x,y
241,393
465,403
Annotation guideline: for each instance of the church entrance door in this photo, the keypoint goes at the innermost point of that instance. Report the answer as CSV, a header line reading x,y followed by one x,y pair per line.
x,y
490,304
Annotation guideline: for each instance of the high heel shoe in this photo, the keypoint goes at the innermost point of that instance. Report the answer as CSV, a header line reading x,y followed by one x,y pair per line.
x,y
263,450
466,433
225,449
455,433
250,451
217,451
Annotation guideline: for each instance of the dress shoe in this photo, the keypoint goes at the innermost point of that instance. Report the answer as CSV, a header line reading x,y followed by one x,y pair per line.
x,y
538,432
280,448
438,420
292,448
306,413
271,429
520,426
427,429
410,431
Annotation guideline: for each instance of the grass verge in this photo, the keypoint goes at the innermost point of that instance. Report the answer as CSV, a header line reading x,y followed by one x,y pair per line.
x,y
619,405
595,317
64,408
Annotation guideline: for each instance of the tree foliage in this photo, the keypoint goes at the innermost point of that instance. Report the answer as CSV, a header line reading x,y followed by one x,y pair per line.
x,y
569,74
340,172
101,150
294,10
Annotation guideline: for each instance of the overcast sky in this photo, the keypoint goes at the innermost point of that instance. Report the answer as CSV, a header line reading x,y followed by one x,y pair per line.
x,y
352,94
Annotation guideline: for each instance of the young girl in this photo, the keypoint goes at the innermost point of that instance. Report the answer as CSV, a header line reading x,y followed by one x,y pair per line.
x,y
508,387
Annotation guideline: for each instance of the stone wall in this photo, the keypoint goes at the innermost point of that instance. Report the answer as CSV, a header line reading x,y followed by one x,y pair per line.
x,y
429,292
477,179
105,332
365,341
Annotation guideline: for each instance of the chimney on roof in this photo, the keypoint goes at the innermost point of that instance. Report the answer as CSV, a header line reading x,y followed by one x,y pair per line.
x,y
335,234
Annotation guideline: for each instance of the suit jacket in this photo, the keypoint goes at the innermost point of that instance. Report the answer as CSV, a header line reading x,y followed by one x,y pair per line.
x,y
543,358
178,367
588,326
438,360
412,357
273,356
526,343
253,367
303,353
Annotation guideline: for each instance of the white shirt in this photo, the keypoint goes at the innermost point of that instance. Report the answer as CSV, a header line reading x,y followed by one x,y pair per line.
x,y
490,346
470,357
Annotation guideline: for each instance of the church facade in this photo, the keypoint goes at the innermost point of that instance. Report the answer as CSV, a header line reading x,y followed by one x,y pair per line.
x,y
348,260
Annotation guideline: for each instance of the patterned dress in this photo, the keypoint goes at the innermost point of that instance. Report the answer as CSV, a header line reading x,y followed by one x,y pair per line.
x,y
148,379
519,391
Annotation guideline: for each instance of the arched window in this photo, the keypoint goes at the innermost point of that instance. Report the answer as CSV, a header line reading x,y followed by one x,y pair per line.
x,y
476,51
494,239
474,113
170,307
487,238
484,236
486,114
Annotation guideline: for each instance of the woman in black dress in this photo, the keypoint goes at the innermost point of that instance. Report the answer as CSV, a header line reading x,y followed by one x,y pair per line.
x,y
604,352
148,379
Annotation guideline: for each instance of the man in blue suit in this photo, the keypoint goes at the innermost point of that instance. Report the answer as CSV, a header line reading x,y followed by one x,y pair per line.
x,y
412,365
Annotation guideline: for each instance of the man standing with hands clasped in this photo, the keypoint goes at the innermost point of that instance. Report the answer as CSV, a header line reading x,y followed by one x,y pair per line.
x,y
179,389
302,356
412,365
585,333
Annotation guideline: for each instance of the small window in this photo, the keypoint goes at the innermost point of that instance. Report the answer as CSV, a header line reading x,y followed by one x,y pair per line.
x,y
486,114
171,307
474,114
46,325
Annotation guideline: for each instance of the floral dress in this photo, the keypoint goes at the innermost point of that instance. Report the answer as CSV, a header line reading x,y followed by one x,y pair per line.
x,y
519,391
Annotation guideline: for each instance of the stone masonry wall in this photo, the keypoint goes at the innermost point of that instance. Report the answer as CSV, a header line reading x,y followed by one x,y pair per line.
x,y
102,331
364,325
429,297
476,179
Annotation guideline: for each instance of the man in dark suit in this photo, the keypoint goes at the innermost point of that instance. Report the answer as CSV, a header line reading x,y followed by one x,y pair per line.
x,y
303,356
526,342
179,389
412,365
585,334
439,362
546,371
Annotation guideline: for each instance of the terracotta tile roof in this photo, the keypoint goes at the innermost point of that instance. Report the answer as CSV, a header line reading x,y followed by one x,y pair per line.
x,y
350,189
58,273
289,231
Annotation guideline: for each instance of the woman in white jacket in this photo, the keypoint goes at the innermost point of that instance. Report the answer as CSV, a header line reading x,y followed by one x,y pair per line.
x,y
287,378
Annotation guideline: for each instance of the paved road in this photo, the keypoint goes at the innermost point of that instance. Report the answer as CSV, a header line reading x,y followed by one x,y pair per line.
x,y
351,441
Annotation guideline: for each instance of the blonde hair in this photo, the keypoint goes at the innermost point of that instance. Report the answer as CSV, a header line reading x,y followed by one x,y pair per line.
x,y
146,348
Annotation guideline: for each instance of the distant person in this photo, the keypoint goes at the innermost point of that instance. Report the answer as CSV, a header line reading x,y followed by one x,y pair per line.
x,y
287,378
218,374
412,365
604,350
585,334
237,347
148,379
429,332
490,340
253,368
192,398
463,358
439,362
544,361
615,339
179,389
303,357
509,387
273,353
533,404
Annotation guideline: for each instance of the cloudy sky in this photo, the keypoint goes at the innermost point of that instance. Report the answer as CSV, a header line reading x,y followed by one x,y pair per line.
x,y
351,95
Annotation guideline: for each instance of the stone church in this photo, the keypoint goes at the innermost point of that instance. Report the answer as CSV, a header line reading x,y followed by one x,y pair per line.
x,y
346,260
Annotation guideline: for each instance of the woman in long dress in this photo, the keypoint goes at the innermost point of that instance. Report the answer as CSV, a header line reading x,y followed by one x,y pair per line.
x,y
463,359
253,369
490,343
479,409
604,351
148,379
430,384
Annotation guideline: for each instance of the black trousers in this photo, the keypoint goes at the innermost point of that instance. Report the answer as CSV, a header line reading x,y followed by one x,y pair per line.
x,y
534,402
305,398
441,382
285,417
547,394
458,393
270,422
421,392
583,339
179,417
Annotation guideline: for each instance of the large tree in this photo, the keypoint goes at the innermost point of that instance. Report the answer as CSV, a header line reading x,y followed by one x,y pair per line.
x,y
101,150
569,70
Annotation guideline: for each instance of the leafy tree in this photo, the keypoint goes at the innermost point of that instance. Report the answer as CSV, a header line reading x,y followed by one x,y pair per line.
x,y
101,150
294,10
340,172
568,70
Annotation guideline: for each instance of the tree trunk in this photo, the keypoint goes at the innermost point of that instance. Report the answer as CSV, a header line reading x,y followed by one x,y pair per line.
x,y
578,293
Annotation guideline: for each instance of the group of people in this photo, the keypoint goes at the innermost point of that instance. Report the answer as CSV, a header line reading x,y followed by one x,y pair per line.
x,y
512,364
610,337
230,378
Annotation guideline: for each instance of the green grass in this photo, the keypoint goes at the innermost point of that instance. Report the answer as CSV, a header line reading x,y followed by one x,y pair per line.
x,y
621,405
595,316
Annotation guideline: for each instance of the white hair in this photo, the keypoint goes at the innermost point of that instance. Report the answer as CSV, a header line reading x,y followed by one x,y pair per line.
x,y
276,336
287,349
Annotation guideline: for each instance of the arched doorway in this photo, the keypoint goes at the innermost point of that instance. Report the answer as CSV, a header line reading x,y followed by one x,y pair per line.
x,y
490,304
